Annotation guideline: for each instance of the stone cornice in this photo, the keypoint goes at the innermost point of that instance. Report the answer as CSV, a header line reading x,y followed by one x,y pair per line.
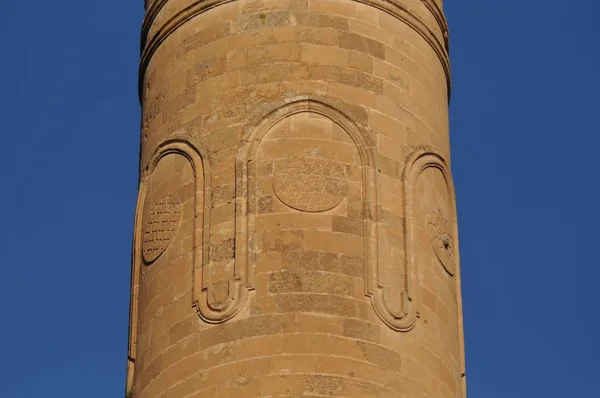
x,y
440,17
149,45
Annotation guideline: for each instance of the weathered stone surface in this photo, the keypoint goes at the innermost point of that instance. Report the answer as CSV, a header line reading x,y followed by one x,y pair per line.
x,y
296,228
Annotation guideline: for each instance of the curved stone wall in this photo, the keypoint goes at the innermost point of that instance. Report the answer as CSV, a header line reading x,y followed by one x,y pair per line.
x,y
296,228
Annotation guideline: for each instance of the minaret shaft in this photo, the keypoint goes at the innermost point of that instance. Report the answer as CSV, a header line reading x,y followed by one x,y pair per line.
x,y
295,230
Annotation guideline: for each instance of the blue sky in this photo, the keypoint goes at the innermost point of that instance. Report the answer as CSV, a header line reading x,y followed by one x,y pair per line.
x,y
524,125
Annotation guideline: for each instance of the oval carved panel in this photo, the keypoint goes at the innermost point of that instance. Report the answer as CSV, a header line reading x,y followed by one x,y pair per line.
x,y
310,183
440,234
160,226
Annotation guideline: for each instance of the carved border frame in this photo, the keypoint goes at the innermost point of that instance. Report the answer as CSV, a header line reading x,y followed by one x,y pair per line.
x,y
392,7
198,158
246,171
245,175
420,160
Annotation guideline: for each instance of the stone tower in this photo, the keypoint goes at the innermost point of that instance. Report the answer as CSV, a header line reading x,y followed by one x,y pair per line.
x,y
295,230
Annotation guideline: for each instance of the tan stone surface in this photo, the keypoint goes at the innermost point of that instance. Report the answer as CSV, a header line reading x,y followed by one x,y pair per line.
x,y
295,230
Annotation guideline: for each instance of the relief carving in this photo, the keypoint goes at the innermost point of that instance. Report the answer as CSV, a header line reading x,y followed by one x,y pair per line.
x,y
310,183
291,179
307,181
439,229
161,220
441,237
155,227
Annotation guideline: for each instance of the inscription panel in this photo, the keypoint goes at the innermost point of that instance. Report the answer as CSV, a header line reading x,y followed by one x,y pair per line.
x,y
161,221
310,183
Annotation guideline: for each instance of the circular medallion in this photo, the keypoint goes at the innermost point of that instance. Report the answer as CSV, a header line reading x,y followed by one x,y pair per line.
x,y
441,238
310,183
161,221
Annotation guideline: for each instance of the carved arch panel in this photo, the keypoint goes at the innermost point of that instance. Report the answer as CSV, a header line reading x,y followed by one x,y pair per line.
x,y
431,205
325,184
155,226
236,286
169,233
400,315
437,208
429,220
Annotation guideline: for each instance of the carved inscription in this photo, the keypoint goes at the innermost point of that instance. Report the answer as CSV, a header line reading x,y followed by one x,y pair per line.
x,y
442,241
161,222
310,183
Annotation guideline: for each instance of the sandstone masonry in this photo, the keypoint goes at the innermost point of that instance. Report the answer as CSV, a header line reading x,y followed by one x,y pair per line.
x,y
295,231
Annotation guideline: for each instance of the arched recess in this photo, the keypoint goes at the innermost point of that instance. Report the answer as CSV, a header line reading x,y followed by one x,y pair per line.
x,y
197,158
402,320
417,163
246,174
208,310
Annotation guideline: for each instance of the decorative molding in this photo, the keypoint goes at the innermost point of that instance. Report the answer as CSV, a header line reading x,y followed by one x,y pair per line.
x,y
404,320
198,158
157,6
246,172
441,223
238,285
419,161
195,154
134,294
392,7
440,17
146,4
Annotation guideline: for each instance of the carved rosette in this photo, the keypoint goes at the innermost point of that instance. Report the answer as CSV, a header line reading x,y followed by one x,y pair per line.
x,y
161,221
439,229
310,183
